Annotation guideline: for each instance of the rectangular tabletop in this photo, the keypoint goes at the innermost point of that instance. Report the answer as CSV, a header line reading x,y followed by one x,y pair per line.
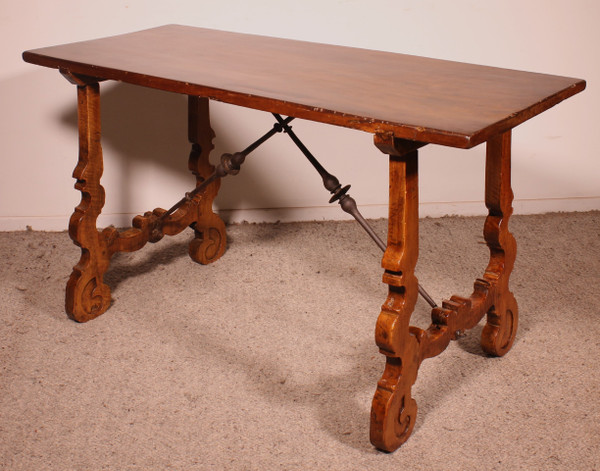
x,y
416,98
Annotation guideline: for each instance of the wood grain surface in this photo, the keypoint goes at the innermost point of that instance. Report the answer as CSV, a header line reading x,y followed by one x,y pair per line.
x,y
414,98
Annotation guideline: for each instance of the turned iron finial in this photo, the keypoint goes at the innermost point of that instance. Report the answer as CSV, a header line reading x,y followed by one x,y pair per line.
x,y
340,194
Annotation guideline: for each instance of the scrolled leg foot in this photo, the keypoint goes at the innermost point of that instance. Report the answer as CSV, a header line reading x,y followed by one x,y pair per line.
x,y
500,330
87,296
394,411
209,243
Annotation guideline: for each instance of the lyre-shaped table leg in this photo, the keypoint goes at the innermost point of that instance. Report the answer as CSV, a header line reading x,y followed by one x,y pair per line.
x,y
393,409
502,317
210,239
87,295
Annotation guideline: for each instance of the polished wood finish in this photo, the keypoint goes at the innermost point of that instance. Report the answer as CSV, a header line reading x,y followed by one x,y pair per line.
x,y
405,101
210,236
415,98
87,296
393,412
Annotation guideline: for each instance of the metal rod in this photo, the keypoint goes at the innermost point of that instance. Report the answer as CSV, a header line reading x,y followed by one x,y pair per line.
x,y
346,202
229,165
274,130
188,196
425,295
330,182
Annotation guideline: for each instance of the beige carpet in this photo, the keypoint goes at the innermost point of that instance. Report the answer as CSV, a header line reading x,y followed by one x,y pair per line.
x,y
266,360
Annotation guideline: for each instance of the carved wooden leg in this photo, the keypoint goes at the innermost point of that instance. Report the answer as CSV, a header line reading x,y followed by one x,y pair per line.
x,y
405,347
502,318
87,296
210,237
393,410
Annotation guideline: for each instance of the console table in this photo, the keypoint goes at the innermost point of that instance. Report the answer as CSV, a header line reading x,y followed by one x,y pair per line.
x,y
405,101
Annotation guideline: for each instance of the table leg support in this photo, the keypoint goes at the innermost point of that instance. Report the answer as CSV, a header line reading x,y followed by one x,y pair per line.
x,y
393,411
210,239
87,295
502,317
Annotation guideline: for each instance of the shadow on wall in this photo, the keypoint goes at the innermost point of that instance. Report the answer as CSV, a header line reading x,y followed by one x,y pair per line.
x,y
143,127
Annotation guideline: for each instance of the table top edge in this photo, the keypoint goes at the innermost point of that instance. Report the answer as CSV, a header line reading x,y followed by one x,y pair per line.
x,y
468,139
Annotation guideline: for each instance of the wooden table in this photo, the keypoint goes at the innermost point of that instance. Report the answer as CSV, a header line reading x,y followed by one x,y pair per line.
x,y
405,101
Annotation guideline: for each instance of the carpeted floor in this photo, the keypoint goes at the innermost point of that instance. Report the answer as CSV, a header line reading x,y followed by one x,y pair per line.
x,y
266,359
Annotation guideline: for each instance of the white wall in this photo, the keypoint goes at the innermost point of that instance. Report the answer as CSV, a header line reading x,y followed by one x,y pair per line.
x,y
556,158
